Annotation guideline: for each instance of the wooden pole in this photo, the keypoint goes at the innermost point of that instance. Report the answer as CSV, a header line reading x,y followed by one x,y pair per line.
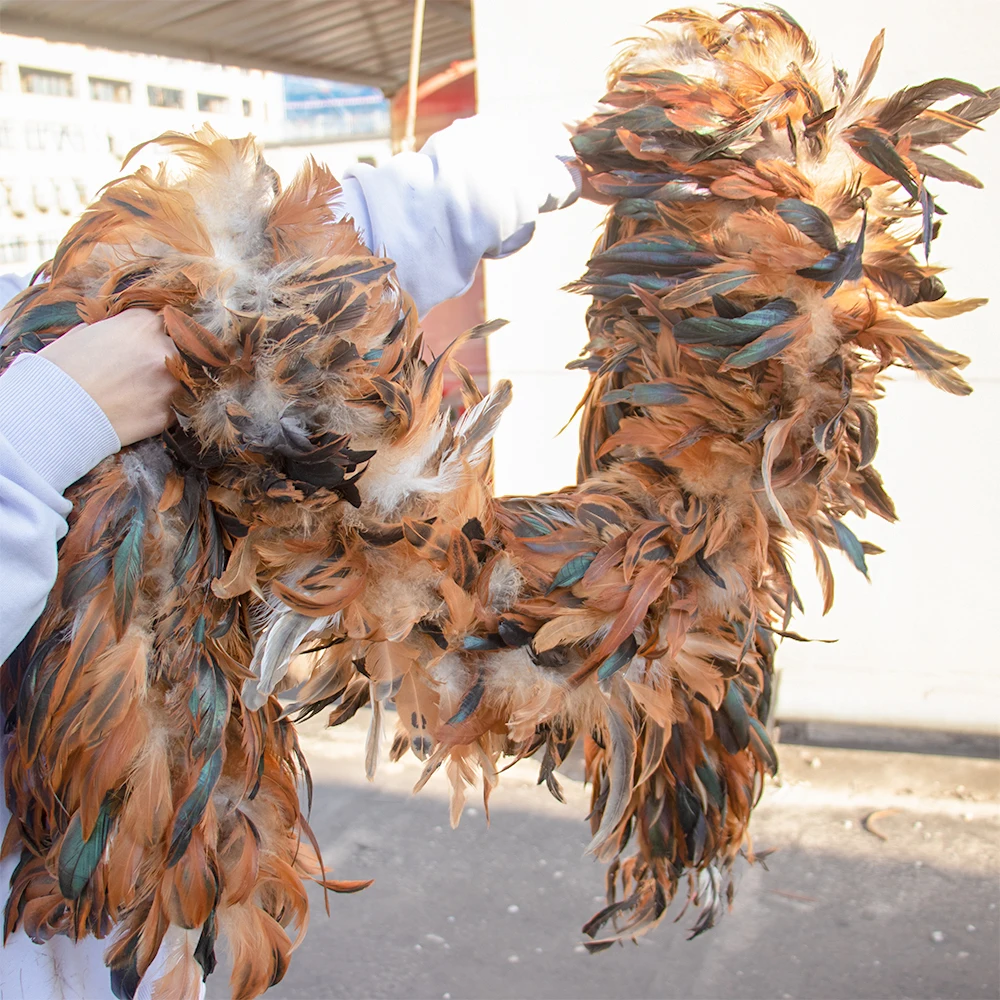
x,y
410,135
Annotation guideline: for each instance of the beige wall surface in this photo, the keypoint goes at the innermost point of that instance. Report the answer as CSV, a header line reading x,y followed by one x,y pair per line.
x,y
915,646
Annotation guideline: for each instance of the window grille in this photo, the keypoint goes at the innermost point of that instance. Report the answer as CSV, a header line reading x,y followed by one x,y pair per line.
x,y
165,97
113,91
46,81
213,103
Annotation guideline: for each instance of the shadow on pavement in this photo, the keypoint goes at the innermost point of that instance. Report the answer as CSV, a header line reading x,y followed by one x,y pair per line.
x,y
495,912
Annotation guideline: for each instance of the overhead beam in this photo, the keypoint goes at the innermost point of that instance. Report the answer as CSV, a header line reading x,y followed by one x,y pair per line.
x,y
14,24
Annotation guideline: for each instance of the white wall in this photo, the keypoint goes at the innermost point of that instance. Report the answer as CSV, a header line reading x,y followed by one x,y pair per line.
x,y
287,157
915,647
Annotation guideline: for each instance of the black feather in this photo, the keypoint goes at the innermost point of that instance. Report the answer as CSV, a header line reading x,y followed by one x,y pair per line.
x,y
78,858
193,808
809,219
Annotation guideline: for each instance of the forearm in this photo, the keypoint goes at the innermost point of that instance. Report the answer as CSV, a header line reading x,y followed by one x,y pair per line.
x,y
51,433
469,193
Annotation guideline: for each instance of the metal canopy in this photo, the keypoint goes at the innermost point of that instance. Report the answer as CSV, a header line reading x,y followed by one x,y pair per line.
x,y
357,41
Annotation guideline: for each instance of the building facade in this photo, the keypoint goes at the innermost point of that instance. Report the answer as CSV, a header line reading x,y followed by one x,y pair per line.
x,y
70,113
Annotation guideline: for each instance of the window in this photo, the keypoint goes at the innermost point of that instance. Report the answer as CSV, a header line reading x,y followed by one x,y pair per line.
x,y
121,140
19,198
54,138
213,103
13,251
115,91
47,245
45,81
247,108
165,97
67,196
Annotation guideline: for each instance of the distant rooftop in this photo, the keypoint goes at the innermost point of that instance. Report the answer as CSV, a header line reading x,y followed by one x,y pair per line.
x,y
326,109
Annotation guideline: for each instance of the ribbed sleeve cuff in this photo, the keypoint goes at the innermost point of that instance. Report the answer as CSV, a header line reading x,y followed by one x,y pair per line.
x,y
565,192
51,422
350,203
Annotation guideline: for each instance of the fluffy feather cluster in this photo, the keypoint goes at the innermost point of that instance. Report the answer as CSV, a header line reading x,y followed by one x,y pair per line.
x,y
754,279
146,793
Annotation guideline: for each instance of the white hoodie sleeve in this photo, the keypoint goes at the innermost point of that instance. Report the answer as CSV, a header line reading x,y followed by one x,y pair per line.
x,y
51,433
469,193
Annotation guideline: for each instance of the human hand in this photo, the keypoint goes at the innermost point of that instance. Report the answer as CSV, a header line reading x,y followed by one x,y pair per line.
x,y
121,363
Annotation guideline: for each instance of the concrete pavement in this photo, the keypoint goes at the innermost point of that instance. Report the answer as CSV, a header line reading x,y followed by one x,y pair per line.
x,y
495,912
